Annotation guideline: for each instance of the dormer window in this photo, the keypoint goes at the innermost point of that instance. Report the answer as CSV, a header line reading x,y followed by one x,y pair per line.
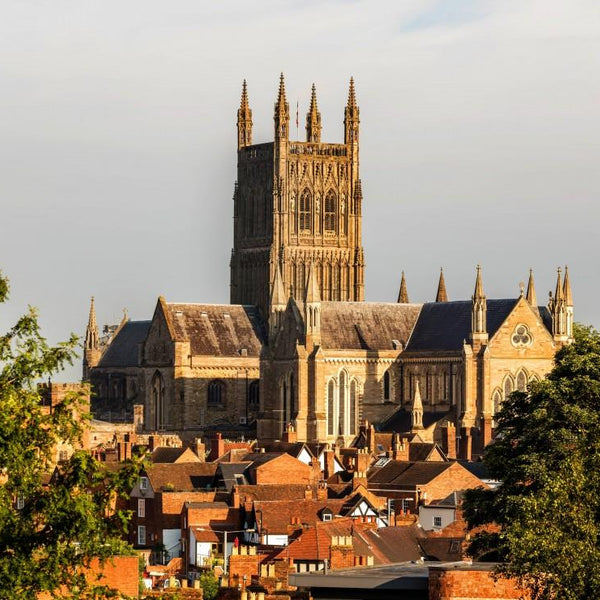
x,y
143,483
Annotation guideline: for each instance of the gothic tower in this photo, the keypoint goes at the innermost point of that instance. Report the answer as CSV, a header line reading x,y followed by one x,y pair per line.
x,y
297,204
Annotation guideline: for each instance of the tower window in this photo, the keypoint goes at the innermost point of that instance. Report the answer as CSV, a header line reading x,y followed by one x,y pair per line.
x,y
305,211
330,212
253,395
386,385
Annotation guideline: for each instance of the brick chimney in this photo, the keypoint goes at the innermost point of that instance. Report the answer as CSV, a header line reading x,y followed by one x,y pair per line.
x,y
290,435
400,448
329,463
123,450
199,448
363,460
235,497
370,431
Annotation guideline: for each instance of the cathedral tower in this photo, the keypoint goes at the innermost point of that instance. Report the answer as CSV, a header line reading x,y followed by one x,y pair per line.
x,y
91,346
297,204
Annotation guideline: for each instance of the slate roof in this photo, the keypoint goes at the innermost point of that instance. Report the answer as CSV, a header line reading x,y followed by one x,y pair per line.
x,y
181,477
443,326
123,350
217,329
400,421
366,325
228,471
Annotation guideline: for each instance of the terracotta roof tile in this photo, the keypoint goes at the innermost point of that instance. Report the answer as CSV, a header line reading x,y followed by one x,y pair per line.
x,y
181,477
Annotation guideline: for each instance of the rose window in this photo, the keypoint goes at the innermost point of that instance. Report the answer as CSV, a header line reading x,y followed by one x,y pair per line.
x,y
521,336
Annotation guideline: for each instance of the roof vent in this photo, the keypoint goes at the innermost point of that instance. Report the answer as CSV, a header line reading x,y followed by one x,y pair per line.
x,y
204,314
243,351
179,313
226,316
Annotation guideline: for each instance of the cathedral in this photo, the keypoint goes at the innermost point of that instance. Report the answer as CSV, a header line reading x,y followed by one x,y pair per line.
x,y
298,348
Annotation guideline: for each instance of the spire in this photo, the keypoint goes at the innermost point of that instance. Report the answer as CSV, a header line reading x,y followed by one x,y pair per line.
x,y
567,293
531,295
244,120
441,295
313,119
416,416
278,297
351,117
351,95
403,293
558,294
91,333
312,295
282,113
478,294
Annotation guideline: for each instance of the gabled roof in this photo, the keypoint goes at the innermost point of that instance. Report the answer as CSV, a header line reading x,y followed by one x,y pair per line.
x,y
366,325
217,329
123,351
174,455
409,474
283,491
233,473
443,326
181,477
277,515
292,448
392,544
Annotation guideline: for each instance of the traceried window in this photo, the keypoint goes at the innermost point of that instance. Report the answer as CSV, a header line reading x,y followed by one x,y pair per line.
x,y
330,212
521,336
342,412
305,209
509,386
158,399
330,406
497,401
216,393
521,381
353,397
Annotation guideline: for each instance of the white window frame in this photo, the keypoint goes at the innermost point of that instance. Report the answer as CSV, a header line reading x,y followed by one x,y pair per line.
x,y
141,511
143,483
20,503
141,535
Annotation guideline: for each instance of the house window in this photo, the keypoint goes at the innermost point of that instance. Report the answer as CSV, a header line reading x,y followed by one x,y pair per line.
x,y
455,546
141,507
216,393
63,455
437,521
143,483
20,502
141,535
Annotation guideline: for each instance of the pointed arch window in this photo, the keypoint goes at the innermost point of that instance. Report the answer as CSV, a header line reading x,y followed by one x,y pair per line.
x,y
305,210
330,406
330,215
215,395
353,399
342,406
158,400
497,401
509,386
253,395
386,386
522,381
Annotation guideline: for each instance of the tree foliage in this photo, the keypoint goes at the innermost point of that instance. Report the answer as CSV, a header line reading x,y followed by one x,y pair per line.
x,y
547,456
46,545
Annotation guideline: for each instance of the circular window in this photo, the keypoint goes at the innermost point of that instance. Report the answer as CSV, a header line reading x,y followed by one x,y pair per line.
x,y
521,336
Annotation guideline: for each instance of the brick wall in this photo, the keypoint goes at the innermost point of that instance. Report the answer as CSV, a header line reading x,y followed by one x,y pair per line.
x,y
471,585
284,469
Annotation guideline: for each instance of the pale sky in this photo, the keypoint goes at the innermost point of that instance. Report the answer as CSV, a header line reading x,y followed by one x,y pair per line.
x,y
480,143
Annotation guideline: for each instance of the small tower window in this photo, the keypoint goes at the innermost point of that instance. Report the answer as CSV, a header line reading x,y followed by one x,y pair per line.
x,y
305,212
330,212
253,395
386,385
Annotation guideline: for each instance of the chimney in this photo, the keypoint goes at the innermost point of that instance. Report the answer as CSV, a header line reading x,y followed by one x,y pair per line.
x,y
363,460
370,437
152,443
123,451
400,448
316,469
329,463
235,497
290,435
199,448
322,490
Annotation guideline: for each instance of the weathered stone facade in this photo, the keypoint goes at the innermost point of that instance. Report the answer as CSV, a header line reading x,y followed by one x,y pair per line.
x,y
298,344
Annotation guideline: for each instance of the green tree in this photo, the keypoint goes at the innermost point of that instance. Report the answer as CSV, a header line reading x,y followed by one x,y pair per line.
x,y
209,584
545,515
49,533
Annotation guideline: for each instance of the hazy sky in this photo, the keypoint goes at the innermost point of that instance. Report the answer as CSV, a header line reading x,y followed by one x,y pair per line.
x,y
480,142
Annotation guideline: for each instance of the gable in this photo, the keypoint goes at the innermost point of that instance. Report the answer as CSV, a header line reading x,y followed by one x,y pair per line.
x,y
542,344
282,469
123,350
159,342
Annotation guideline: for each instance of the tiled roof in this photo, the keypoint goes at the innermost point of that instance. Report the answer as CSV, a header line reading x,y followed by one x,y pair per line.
x,y
229,470
284,491
400,421
172,455
277,515
366,325
292,448
183,477
217,329
392,544
123,351
408,474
